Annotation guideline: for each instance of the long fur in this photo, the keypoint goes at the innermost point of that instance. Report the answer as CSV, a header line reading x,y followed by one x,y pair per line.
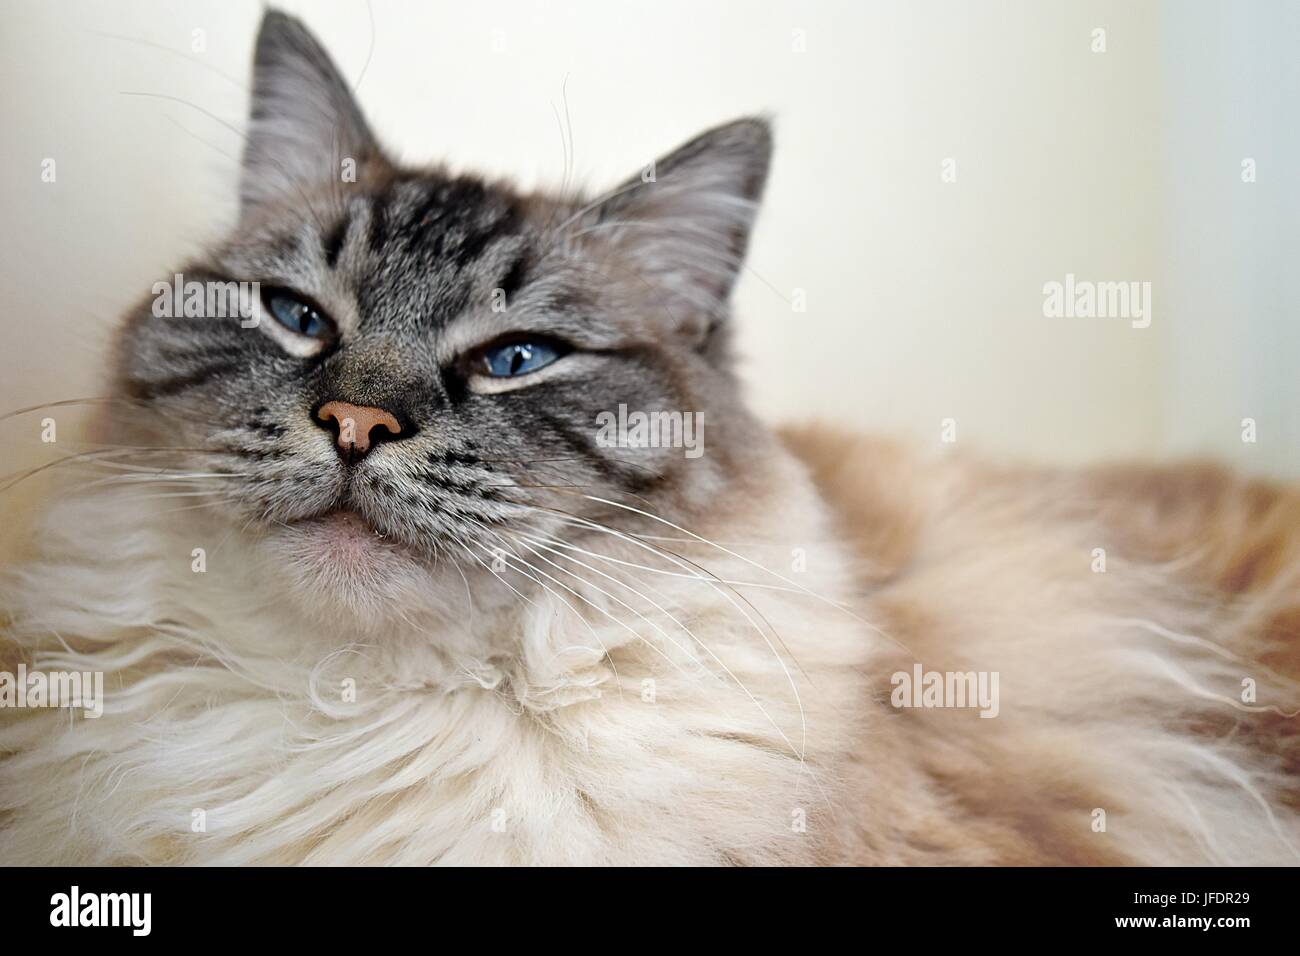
x,y
687,735
1120,692
497,639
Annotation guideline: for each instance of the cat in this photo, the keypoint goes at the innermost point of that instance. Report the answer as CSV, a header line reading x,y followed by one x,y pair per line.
x,y
368,584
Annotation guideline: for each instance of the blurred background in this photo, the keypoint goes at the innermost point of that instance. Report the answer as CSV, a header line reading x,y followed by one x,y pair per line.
x,y
937,163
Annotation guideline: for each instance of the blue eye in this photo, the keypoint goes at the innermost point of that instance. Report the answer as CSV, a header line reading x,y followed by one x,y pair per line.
x,y
298,316
518,358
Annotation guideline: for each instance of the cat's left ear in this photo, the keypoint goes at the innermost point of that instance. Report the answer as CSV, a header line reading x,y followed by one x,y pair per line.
x,y
305,127
683,224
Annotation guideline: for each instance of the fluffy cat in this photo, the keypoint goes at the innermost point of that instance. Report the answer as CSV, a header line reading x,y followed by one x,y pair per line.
x,y
367,584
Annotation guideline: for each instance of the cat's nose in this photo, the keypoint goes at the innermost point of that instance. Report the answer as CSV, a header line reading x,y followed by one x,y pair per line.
x,y
355,426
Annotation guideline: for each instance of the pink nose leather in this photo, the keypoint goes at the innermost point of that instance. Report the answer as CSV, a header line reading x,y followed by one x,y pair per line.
x,y
356,422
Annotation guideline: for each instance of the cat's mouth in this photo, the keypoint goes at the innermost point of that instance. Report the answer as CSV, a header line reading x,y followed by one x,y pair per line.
x,y
343,522
344,538
339,561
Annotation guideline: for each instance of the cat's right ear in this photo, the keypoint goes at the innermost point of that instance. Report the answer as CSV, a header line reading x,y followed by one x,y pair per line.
x,y
305,127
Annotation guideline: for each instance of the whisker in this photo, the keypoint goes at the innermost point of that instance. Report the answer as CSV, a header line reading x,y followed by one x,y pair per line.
x,y
675,574
780,577
597,607
709,576
596,637
798,752
80,456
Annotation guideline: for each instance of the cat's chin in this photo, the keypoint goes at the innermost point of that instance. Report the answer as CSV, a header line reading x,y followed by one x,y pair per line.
x,y
338,563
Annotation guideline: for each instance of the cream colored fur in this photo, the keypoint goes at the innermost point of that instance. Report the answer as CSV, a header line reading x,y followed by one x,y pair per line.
x,y
735,724
224,699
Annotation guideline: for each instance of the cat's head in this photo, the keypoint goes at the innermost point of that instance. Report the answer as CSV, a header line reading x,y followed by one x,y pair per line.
x,y
435,364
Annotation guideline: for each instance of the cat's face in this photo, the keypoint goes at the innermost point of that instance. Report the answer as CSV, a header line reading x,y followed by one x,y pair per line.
x,y
436,360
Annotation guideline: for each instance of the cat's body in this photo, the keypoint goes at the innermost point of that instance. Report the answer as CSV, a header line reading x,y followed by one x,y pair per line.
x,y
230,704
562,652
1126,610
540,750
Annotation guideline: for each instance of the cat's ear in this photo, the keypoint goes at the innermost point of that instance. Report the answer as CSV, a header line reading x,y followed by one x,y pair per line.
x,y
305,127
688,216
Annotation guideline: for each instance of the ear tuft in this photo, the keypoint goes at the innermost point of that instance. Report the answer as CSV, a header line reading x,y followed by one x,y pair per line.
x,y
304,120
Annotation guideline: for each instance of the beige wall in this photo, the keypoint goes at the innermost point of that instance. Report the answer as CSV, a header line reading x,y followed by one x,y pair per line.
x,y
923,298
